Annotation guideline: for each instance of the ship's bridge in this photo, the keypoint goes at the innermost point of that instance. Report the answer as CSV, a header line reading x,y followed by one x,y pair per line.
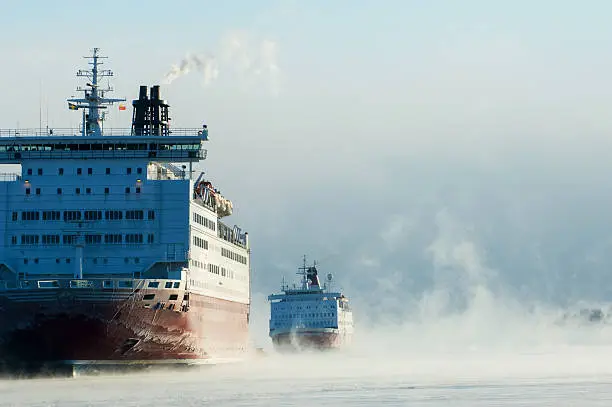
x,y
184,145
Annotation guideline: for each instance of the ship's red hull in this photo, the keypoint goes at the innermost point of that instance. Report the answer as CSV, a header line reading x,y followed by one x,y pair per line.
x,y
69,326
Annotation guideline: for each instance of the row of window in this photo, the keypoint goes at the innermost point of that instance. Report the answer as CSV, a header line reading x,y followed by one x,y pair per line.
x,y
234,256
213,269
168,284
77,191
204,221
198,241
129,146
227,273
306,315
137,214
110,238
79,171
318,307
309,324
150,297
133,238
94,260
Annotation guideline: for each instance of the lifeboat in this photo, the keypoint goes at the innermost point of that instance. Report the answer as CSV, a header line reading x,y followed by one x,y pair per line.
x,y
199,188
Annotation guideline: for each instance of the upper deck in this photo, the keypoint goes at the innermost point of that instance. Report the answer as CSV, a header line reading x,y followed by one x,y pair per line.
x,y
310,289
150,136
182,145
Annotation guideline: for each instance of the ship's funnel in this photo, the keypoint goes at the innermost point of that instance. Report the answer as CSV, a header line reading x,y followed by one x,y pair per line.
x,y
143,93
313,278
139,116
155,92
150,116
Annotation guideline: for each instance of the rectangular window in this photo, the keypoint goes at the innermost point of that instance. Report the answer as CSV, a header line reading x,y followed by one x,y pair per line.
x,y
133,238
79,171
112,238
60,171
37,191
77,191
40,172
93,239
14,216
151,215
113,215
134,215
108,171
69,239
129,171
72,215
59,191
137,190
29,239
127,190
107,190
50,239
139,170
51,215
29,171
88,190
89,171
93,215
27,191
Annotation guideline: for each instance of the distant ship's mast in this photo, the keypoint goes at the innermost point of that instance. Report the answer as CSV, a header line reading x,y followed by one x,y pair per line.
x,y
94,99
302,272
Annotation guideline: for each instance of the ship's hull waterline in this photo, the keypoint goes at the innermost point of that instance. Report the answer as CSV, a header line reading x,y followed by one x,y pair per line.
x,y
96,326
299,341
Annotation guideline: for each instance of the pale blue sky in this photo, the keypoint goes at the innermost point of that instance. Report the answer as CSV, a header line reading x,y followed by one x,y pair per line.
x,y
398,126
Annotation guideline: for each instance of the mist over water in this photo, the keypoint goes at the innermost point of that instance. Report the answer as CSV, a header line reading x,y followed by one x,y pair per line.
x,y
493,348
467,328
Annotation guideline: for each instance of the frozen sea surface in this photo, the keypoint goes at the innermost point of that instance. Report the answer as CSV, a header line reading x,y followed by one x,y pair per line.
x,y
574,376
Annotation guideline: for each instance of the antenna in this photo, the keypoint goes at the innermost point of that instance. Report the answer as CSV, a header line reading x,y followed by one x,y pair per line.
x,y
303,273
40,106
93,99
47,108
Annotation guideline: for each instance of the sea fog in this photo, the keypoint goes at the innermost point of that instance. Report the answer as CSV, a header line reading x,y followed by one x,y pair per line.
x,y
495,352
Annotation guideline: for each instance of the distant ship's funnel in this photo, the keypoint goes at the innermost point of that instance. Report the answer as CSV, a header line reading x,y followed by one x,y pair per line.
x,y
313,278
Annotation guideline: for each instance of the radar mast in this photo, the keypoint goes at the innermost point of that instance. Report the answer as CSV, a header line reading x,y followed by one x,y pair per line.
x,y
93,99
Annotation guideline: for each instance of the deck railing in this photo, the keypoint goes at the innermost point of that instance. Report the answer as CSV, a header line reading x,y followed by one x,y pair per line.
x,y
60,132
